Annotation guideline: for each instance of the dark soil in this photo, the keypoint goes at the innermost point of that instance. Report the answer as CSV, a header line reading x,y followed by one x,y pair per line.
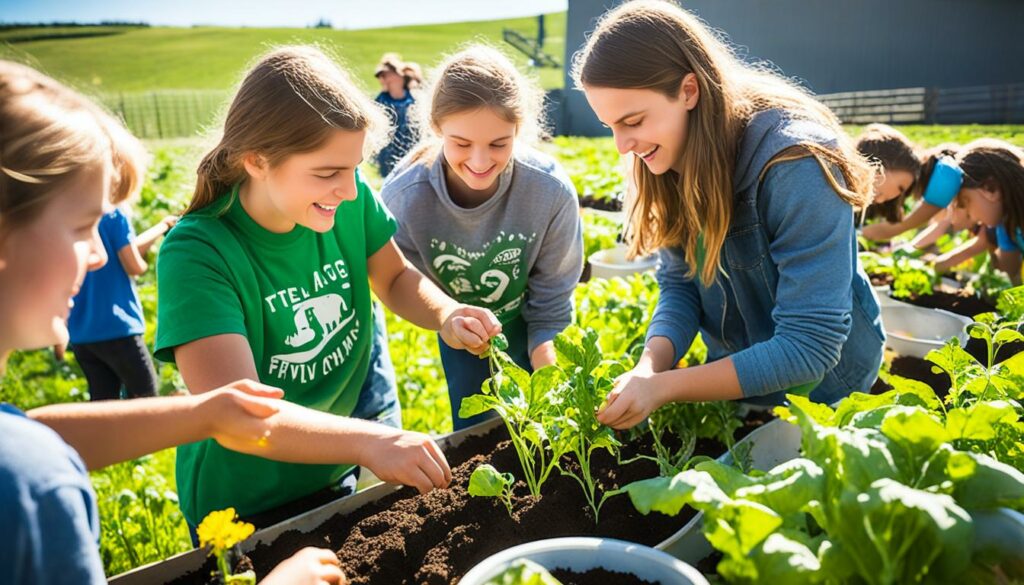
x,y
709,564
601,203
599,577
960,302
915,369
435,538
880,279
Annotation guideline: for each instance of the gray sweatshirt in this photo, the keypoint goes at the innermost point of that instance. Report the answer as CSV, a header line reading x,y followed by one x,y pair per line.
x,y
519,253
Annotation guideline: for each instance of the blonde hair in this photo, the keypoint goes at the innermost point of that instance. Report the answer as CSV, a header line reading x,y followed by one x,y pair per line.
x,y
654,45
49,133
479,76
289,103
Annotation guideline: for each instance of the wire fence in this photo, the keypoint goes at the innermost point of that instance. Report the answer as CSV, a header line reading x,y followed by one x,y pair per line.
x,y
168,113
185,113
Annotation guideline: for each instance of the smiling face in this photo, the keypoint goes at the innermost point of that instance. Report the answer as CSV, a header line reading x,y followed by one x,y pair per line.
x,y
647,123
892,183
981,204
306,188
477,145
43,263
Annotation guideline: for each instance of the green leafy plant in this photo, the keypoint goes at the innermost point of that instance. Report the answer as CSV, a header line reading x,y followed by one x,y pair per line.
x,y
488,482
528,405
524,572
909,276
618,309
599,233
880,496
589,380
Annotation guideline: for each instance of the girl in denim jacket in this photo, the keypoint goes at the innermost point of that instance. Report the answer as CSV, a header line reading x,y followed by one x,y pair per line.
x,y
746,187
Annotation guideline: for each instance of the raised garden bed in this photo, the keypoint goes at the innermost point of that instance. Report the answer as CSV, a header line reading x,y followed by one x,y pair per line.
x,y
397,536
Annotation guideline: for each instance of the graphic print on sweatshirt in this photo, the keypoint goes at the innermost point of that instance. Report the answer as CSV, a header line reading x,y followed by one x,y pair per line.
x,y
494,277
316,323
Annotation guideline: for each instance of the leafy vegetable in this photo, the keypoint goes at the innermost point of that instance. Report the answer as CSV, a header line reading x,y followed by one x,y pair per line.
x,y
488,482
524,572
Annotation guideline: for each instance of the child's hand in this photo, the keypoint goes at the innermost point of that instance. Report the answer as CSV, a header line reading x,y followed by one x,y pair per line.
x,y
312,566
632,400
408,458
238,414
170,221
470,328
880,232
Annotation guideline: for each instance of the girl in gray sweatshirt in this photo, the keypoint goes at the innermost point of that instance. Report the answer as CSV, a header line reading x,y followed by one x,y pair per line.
x,y
491,220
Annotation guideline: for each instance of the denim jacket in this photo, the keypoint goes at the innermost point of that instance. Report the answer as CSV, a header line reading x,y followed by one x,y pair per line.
x,y
791,304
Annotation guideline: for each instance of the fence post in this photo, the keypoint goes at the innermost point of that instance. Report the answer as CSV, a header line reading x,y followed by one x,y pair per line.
x,y
156,111
931,105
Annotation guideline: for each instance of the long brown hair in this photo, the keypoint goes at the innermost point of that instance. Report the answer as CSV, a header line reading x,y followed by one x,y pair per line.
x,y
48,134
889,150
996,165
653,45
288,103
479,76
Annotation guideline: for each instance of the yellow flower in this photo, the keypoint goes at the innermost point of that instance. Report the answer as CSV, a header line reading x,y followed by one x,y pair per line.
x,y
220,531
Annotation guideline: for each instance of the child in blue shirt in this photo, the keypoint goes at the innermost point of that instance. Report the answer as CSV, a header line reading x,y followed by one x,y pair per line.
x,y
397,80
106,322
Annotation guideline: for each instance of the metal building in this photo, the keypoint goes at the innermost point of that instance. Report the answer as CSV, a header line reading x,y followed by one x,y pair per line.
x,y
830,46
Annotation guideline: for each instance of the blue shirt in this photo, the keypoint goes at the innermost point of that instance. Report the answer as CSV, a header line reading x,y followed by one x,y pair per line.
x,y
50,523
1006,243
107,306
404,137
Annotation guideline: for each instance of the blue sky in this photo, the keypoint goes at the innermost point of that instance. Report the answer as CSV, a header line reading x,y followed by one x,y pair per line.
x,y
262,13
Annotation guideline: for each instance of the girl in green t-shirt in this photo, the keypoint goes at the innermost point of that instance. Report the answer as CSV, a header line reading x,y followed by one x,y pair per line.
x,y
268,276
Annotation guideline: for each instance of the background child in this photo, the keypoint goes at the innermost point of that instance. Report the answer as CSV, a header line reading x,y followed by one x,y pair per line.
x,y
106,323
397,82
993,194
493,221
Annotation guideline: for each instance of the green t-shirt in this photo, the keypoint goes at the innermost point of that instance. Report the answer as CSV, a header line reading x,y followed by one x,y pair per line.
x,y
302,300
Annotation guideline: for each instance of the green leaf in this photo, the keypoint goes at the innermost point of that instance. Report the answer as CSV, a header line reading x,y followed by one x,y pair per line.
x,y
979,422
915,428
668,495
488,482
477,404
524,572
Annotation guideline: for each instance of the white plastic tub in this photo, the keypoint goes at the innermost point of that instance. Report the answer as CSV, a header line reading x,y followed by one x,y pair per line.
x,y
914,331
581,554
612,262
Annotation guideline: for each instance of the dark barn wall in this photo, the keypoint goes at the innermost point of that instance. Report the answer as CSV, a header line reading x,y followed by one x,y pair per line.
x,y
832,46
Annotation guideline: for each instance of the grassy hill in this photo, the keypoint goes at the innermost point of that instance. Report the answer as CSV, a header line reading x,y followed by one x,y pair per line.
x,y
113,59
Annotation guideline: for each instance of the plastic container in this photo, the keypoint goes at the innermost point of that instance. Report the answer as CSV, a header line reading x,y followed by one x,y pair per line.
x,y
612,262
581,554
914,331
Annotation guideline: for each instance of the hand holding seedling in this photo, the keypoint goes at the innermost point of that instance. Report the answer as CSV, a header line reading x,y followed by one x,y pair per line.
x,y
412,459
470,328
634,397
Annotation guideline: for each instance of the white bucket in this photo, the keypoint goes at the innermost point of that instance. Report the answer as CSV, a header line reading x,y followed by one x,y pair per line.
x,y
914,331
612,262
580,554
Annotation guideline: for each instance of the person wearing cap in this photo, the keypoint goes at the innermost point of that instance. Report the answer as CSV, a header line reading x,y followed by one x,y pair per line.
x,y
397,80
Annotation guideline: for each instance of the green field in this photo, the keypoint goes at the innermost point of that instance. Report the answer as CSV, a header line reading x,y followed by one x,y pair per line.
x,y
134,59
